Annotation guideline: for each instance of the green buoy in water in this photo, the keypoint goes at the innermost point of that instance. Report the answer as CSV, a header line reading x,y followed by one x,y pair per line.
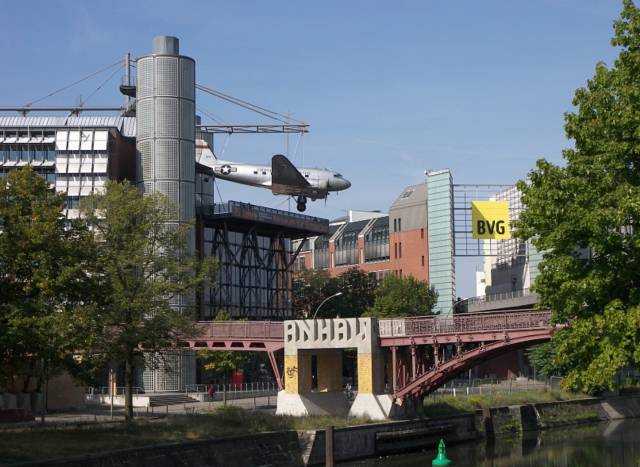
x,y
441,458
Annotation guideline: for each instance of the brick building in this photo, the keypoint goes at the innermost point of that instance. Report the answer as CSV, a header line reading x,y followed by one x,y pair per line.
x,y
377,243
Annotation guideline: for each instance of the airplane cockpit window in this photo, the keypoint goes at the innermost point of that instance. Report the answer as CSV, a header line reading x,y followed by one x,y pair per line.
x,y
337,175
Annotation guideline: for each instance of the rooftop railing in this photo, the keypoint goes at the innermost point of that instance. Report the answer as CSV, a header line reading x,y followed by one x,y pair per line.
x,y
229,206
500,296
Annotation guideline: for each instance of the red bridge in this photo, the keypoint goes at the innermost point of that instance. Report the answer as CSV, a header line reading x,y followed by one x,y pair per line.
x,y
426,352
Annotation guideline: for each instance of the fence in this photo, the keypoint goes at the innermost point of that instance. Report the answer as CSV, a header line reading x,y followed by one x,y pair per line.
x,y
466,387
468,322
268,330
103,390
500,296
232,388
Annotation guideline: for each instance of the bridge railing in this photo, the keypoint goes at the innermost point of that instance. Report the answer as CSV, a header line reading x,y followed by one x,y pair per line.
x,y
467,322
267,330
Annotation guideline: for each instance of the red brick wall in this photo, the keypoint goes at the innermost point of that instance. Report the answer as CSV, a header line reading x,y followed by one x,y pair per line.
x,y
408,253
414,260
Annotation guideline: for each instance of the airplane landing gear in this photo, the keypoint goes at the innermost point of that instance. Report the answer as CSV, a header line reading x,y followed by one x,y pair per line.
x,y
301,203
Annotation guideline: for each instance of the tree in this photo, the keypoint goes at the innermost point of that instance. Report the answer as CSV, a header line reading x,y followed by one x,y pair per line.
x,y
358,294
311,288
543,358
43,271
142,268
585,216
403,296
223,361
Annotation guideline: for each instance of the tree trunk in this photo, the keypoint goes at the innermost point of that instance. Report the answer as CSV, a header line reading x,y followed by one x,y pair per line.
x,y
128,388
45,377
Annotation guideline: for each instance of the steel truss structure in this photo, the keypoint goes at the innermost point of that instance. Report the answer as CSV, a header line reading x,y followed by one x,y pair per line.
x,y
464,244
256,128
254,273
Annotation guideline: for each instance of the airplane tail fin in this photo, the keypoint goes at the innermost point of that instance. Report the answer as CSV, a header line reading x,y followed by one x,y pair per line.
x,y
203,148
204,153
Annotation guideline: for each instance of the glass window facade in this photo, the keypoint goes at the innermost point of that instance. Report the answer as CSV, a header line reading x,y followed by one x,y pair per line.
x,y
321,253
376,247
254,275
347,249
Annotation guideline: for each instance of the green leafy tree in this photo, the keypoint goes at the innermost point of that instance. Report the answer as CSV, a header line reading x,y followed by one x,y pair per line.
x,y
142,268
543,358
585,217
43,271
311,288
223,362
403,296
358,294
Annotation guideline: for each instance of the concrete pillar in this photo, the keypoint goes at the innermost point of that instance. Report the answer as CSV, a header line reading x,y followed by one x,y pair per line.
x,y
297,370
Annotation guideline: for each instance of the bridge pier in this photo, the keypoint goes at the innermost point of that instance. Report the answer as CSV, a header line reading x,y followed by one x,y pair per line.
x,y
313,369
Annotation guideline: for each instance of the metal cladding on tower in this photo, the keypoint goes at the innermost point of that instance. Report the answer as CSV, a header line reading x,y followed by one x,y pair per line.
x,y
165,163
165,143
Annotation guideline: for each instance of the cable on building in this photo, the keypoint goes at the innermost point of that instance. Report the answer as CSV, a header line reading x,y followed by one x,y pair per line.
x,y
64,88
100,86
249,106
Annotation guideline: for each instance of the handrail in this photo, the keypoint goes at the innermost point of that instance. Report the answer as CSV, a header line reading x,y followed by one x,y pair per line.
x,y
467,322
267,330
102,390
494,297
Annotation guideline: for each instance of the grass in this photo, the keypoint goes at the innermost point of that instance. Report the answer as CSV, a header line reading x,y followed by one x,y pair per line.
x,y
35,444
449,405
50,443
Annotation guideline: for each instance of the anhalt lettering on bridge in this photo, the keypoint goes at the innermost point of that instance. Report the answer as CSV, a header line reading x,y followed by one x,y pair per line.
x,y
425,353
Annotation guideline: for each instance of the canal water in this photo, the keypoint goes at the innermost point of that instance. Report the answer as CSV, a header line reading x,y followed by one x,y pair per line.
x,y
612,444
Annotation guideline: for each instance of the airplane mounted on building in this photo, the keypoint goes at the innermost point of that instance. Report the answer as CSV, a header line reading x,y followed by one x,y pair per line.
x,y
282,177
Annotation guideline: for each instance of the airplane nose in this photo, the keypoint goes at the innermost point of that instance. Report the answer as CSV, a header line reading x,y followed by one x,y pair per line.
x,y
345,184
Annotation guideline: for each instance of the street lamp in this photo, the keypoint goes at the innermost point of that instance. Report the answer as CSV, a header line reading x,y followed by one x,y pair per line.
x,y
325,301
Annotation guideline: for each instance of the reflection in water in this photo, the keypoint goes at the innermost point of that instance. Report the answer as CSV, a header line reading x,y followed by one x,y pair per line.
x,y
613,444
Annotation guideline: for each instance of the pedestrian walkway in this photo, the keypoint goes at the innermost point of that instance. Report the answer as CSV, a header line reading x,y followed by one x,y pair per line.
x,y
102,414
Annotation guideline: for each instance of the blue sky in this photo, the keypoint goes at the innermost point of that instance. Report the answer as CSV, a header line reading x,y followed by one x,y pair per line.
x,y
390,88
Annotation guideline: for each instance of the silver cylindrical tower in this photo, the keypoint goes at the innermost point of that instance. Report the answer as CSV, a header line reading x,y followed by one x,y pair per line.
x,y
165,109
165,159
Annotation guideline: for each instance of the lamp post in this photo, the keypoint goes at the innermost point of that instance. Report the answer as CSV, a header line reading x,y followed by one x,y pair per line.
x,y
325,301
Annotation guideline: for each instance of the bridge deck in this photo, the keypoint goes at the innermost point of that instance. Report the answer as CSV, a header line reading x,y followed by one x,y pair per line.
x,y
469,327
468,323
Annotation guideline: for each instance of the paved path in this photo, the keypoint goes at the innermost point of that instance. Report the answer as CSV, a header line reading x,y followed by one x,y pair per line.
x,y
102,414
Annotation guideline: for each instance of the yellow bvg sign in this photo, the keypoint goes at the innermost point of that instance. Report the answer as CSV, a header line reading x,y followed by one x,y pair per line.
x,y
490,220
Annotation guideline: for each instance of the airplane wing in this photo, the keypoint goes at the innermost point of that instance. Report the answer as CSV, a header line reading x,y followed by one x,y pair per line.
x,y
285,178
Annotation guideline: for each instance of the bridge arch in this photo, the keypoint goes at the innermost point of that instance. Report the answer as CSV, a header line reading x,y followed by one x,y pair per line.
x,y
434,378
